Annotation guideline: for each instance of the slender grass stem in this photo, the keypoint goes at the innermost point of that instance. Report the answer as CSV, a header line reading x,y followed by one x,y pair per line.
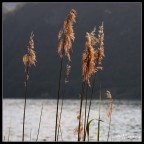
x,y
39,123
82,93
9,134
58,97
26,94
85,112
60,116
98,132
91,96
109,128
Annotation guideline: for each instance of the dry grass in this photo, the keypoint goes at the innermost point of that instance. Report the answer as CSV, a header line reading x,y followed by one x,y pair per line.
x,y
65,38
28,60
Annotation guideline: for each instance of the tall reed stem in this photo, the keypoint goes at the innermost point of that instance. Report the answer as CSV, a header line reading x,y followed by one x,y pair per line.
x,y
100,101
58,97
93,84
39,123
60,116
109,128
82,93
85,112
26,94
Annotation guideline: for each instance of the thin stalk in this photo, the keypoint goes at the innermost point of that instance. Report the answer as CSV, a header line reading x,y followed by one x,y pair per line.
x,y
26,94
58,97
61,133
82,93
61,109
39,123
98,132
109,128
93,84
9,134
60,115
85,112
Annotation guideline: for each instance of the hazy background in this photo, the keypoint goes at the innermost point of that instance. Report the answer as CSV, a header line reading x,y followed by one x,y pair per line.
x,y
122,64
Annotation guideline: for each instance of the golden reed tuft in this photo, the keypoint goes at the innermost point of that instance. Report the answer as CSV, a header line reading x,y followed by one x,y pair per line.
x,y
110,106
100,50
89,57
66,35
30,58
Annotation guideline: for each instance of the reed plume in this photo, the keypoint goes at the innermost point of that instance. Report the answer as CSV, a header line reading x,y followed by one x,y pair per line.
x,y
89,57
99,54
66,35
88,68
28,60
109,112
65,38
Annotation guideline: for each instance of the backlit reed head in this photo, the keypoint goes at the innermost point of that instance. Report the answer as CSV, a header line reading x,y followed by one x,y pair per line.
x,y
66,35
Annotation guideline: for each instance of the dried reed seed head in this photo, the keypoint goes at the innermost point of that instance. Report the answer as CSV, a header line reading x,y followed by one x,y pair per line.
x,y
100,52
68,32
89,57
108,94
31,41
94,39
30,58
110,105
25,59
60,34
68,67
60,47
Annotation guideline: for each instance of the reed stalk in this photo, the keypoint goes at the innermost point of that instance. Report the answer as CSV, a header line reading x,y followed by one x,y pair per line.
x,y
60,116
85,112
28,60
61,63
39,123
109,113
81,101
109,128
65,36
91,96
99,53
26,94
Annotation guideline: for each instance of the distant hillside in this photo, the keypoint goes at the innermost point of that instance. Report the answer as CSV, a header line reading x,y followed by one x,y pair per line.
x,y
122,64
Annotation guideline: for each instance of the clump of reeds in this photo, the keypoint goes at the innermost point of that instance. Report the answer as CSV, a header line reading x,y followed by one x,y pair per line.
x,y
65,38
28,60
109,112
91,59
99,54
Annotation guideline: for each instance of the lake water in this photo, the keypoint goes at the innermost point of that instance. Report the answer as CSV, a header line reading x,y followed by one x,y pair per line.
x,y
126,120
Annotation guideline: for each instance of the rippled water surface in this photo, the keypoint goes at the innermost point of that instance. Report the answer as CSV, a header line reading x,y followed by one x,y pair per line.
x,y
126,120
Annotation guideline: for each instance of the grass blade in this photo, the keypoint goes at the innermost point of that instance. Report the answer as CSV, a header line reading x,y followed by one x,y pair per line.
x,y
87,127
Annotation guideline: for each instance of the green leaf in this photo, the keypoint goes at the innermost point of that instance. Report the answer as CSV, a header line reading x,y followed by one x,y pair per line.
x,y
87,127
